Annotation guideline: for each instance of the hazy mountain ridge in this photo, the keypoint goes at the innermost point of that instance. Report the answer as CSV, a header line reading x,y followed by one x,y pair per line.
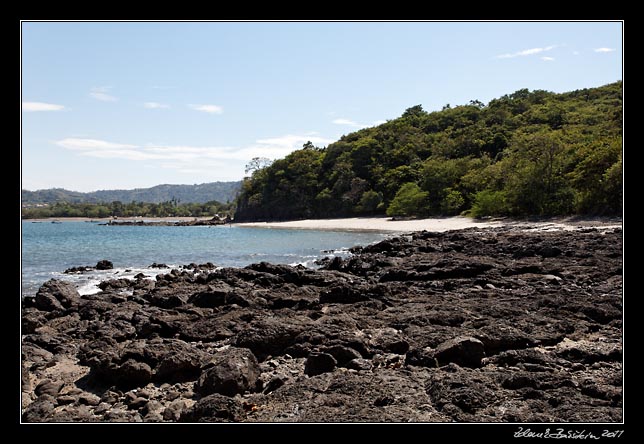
x,y
197,193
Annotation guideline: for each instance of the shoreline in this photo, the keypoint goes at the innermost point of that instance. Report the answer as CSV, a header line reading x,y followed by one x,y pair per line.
x,y
120,219
382,224
440,224
501,320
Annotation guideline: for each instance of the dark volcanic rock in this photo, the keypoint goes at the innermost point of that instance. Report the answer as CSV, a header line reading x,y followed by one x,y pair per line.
x,y
318,363
465,351
104,265
56,295
477,325
214,408
233,371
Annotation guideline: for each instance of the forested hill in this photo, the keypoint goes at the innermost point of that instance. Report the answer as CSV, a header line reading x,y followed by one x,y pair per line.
x,y
205,192
526,153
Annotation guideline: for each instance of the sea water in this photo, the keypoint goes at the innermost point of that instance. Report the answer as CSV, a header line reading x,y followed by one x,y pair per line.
x,y
48,249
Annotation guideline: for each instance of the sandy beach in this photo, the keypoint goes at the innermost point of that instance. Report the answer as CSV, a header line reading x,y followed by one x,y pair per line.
x,y
384,224
433,224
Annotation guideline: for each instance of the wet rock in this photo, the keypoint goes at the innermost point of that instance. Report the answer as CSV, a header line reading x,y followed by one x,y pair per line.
x,y
233,371
104,264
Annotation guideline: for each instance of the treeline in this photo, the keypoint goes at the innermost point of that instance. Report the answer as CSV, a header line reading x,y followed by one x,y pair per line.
x,y
526,153
171,208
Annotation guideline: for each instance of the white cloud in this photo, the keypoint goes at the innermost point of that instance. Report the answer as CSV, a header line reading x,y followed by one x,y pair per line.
x,y
101,93
211,109
575,53
72,143
155,105
604,49
349,122
186,158
40,106
120,154
548,59
525,52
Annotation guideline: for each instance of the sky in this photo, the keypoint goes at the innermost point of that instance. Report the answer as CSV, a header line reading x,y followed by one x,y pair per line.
x,y
121,105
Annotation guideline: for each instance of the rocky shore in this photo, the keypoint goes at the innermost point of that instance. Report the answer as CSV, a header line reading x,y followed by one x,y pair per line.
x,y
166,223
476,325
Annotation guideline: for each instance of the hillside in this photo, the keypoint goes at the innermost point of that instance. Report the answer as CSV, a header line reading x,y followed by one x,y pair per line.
x,y
205,192
526,153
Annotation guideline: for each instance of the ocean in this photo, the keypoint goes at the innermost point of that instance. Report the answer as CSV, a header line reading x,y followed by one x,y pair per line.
x,y
48,249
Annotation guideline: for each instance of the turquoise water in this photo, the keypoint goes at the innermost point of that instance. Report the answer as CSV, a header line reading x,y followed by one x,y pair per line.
x,y
48,249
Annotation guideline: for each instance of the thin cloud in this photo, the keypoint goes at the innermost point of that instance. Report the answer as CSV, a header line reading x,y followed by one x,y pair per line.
x,y
101,93
604,49
155,105
191,158
354,124
210,109
526,52
40,106
73,143
548,59
347,122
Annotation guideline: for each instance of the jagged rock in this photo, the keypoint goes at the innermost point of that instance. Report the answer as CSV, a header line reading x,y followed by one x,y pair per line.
x,y
214,408
465,351
104,265
469,326
56,295
233,371
48,387
318,363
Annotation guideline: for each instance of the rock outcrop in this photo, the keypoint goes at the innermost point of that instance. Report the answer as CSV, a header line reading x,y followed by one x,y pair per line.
x,y
491,325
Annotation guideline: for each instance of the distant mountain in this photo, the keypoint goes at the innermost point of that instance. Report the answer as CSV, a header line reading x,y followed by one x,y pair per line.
x,y
220,191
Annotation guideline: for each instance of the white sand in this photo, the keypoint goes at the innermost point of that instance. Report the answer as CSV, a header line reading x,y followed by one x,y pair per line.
x,y
433,224
376,224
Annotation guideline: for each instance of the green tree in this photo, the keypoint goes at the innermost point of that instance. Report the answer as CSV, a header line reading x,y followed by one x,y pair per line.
x,y
410,200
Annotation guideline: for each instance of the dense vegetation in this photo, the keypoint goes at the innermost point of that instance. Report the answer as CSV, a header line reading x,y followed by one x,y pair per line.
x,y
205,192
527,153
171,208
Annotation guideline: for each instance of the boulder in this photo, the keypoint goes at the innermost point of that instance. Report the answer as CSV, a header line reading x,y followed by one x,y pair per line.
x,y
318,363
213,408
48,387
56,295
104,265
233,371
342,354
133,373
465,351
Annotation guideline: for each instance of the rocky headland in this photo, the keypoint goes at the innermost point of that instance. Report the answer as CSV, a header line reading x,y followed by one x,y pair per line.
x,y
476,325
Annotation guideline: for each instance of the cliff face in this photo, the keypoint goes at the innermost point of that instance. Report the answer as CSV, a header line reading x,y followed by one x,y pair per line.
x,y
502,325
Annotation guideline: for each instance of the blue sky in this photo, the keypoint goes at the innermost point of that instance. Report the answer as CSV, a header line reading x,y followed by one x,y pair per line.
x,y
127,105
